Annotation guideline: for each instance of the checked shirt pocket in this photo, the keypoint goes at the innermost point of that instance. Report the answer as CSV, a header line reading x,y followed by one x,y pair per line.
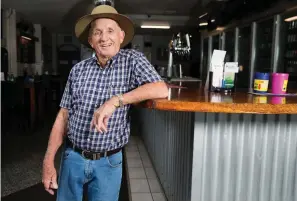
x,y
118,89
115,160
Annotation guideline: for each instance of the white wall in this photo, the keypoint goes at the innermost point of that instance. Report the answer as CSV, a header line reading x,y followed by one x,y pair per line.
x,y
156,41
9,35
159,42
61,40
138,42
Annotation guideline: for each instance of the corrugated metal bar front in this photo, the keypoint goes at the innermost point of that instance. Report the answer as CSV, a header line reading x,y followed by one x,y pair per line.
x,y
168,137
244,157
223,157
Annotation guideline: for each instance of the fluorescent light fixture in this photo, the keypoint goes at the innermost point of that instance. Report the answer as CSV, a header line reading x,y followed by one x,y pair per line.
x,y
201,16
203,24
155,27
220,28
290,19
26,37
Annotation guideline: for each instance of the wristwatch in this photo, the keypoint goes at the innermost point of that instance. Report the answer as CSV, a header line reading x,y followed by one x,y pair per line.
x,y
120,97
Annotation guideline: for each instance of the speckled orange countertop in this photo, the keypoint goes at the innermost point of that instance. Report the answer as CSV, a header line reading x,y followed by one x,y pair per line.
x,y
192,97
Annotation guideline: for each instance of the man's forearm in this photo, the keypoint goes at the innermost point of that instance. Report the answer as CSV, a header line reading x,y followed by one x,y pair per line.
x,y
57,134
145,92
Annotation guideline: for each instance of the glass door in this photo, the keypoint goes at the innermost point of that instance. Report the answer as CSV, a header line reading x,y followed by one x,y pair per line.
x,y
288,49
229,45
263,46
205,58
244,56
215,42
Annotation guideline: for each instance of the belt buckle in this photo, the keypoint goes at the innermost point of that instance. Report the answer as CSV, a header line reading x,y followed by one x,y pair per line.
x,y
94,155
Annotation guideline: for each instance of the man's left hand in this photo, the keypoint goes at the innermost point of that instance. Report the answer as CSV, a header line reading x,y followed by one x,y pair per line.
x,y
102,115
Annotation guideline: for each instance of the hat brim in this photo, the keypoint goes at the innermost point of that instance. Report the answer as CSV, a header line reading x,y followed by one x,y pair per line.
x,y
83,24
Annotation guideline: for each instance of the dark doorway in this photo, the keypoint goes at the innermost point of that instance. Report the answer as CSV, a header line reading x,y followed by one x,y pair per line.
x,y
68,56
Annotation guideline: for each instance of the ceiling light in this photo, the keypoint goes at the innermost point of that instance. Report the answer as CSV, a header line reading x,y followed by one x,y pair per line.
x,y
291,19
155,26
213,20
203,24
201,16
220,28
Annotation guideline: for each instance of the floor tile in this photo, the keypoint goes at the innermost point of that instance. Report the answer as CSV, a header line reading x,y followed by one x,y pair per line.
x,y
139,186
133,137
146,162
159,197
141,148
136,173
134,162
144,154
142,197
150,173
133,141
140,142
132,154
154,186
132,147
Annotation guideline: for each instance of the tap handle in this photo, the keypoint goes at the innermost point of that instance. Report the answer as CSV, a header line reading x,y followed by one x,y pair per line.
x,y
188,40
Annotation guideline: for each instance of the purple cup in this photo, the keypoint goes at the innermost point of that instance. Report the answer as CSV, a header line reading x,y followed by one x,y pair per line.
x,y
278,100
279,82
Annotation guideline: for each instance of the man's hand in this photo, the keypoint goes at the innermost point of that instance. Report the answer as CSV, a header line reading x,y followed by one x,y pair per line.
x,y
49,176
102,115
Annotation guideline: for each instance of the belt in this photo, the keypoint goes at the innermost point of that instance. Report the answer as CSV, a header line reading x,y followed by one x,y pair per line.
x,y
89,154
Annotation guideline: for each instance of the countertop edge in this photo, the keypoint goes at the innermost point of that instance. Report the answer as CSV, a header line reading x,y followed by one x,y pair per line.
x,y
236,108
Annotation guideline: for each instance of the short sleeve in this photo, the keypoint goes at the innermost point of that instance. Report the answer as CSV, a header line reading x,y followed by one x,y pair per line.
x,y
66,101
144,72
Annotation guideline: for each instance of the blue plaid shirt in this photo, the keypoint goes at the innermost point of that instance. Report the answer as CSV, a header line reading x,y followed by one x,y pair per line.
x,y
89,86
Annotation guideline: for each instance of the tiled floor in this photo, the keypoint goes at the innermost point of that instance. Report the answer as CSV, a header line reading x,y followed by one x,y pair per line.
x,y
22,157
143,181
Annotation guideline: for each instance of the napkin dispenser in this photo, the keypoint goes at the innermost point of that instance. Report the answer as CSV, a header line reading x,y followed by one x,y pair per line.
x,y
222,76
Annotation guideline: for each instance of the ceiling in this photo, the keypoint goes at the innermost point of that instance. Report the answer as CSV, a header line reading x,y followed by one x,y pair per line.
x,y
61,14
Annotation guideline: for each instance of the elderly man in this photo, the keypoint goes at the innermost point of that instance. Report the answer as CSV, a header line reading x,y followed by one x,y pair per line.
x,y
93,117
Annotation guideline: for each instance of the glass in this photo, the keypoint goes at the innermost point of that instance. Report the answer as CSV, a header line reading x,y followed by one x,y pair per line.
x,y
205,58
264,44
229,46
288,48
215,42
244,56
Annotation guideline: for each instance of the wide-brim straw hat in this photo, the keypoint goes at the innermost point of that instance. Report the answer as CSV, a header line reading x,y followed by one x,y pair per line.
x,y
103,11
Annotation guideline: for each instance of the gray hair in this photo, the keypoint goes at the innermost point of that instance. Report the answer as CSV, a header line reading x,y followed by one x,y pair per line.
x,y
92,25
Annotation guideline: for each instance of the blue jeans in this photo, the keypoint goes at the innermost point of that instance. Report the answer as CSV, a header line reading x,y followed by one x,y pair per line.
x,y
103,177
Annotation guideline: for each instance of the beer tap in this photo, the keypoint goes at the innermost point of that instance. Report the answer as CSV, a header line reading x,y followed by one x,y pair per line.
x,y
178,46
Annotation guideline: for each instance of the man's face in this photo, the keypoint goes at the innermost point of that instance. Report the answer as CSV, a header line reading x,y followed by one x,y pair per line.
x,y
106,37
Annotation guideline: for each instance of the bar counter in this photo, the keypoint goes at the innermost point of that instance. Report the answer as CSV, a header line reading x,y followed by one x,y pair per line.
x,y
216,147
191,97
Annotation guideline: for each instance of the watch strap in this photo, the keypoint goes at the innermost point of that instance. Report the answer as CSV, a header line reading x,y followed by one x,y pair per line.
x,y
120,97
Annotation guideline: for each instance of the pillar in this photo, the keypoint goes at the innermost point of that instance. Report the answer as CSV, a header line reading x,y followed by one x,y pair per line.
x,y
9,27
54,53
38,49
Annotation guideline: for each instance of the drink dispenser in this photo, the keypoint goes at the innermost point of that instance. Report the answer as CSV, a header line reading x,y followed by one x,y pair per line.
x,y
179,48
